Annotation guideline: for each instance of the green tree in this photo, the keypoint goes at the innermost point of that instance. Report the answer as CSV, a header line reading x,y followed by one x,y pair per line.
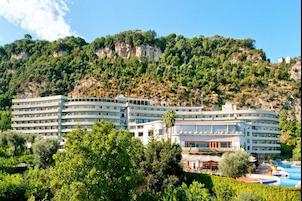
x,y
195,192
37,184
161,165
297,151
96,165
169,120
44,149
234,164
11,187
27,36
5,121
14,142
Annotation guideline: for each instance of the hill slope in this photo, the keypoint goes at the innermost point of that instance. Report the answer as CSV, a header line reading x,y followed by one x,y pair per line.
x,y
174,69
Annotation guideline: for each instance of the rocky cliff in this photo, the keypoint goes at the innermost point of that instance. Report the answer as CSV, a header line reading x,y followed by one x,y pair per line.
x,y
295,72
126,51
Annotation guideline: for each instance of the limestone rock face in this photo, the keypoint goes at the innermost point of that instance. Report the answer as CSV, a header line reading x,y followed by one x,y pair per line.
x,y
19,56
126,51
152,53
104,52
295,72
58,54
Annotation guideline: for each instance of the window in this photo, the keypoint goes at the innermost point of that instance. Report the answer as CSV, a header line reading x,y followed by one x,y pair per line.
x,y
150,133
225,144
140,134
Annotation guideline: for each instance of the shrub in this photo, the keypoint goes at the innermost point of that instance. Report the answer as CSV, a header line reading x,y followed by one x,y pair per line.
x,y
234,164
43,150
194,192
224,192
37,184
11,187
269,193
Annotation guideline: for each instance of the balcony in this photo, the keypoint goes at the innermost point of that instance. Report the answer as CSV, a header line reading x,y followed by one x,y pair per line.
x,y
206,149
41,105
56,110
34,124
88,116
208,133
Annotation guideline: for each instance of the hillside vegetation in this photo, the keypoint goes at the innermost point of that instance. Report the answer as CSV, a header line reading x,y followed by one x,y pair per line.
x,y
173,69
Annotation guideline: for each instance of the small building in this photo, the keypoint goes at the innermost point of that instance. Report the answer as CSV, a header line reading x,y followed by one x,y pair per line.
x,y
282,59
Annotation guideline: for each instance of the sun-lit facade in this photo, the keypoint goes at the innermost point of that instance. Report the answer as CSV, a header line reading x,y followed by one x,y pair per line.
x,y
254,130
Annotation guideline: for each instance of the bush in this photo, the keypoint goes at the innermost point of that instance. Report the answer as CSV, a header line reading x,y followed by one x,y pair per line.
x,y
194,192
37,184
43,150
161,165
234,164
11,187
269,193
224,192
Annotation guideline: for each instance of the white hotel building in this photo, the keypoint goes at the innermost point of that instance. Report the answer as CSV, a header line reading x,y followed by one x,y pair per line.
x,y
195,130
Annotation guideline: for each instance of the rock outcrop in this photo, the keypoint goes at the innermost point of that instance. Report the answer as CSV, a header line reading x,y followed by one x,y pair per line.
x,y
19,56
126,51
59,53
152,53
295,72
104,52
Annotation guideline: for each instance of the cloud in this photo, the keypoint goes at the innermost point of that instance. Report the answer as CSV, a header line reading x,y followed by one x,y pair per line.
x,y
44,18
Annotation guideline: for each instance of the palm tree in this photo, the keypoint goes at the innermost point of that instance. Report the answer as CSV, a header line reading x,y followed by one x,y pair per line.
x,y
169,120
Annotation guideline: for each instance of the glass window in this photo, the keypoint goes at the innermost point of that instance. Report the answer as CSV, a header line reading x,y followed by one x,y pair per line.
x,y
150,133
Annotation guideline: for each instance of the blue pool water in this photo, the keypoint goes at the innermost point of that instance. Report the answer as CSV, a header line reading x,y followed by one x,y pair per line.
x,y
294,175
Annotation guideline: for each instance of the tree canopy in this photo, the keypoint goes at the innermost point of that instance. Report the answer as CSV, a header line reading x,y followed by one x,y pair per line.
x,y
234,164
96,165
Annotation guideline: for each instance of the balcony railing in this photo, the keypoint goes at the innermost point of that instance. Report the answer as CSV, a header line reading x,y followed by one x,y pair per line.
x,y
203,149
208,133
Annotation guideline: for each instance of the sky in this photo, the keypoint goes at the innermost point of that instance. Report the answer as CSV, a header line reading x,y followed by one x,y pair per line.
x,y
274,24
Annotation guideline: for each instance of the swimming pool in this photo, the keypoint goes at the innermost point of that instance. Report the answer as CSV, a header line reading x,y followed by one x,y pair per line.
x,y
292,177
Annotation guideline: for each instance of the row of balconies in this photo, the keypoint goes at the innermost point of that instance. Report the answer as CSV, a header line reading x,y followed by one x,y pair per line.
x,y
36,131
42,105
89,116
202,149
208,133
14,125
90,110
56,110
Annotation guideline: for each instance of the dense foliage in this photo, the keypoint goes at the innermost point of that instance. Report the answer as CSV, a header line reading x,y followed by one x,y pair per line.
x,y
161,165
265,192
44,149
234,164
290,136
105,164
208,70
96,165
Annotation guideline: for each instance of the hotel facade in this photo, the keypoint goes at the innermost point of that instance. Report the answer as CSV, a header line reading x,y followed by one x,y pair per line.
x,y
255,131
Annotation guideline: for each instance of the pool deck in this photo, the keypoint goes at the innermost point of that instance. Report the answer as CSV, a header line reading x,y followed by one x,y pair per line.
x,y
262,174
257,178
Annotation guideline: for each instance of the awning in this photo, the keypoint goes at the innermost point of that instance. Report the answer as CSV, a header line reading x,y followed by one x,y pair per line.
x,y
203,158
